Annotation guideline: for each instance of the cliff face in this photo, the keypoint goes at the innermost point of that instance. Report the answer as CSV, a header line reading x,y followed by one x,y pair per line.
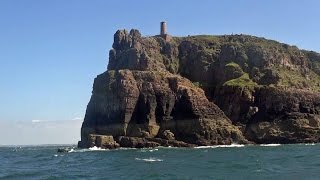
x,y
203,90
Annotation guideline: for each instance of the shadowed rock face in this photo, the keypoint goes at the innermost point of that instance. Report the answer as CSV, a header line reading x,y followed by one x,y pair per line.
x,y
148,103
203,90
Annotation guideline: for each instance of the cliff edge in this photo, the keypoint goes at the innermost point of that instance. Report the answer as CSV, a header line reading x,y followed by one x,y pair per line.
x,y
203,90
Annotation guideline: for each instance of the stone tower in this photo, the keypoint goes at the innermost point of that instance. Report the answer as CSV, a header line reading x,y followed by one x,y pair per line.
x,y
163,31
163,28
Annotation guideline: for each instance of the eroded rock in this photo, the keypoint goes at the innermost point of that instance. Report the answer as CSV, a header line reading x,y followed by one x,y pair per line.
x,y
200,90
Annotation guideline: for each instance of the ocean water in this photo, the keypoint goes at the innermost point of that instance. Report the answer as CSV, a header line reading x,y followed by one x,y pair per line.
x,y
300,161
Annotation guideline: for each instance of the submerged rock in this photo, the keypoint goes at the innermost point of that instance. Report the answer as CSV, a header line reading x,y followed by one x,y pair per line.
x,y
63,150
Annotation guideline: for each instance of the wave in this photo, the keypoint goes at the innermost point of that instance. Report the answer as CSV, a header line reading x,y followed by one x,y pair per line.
x,y
94,148
220,146
126,148
71,150
151,159
310,144
270,145
56,155
148,150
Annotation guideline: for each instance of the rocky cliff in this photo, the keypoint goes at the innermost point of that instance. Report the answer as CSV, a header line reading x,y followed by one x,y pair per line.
x,y
203,90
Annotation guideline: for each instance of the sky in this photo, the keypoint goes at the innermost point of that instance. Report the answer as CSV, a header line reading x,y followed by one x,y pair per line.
x,y
51,51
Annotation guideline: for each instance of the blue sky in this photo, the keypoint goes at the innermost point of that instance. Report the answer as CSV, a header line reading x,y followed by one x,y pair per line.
x,y
50,51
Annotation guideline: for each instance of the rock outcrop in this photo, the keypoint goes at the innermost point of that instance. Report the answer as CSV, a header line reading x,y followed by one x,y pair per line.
x,y
203,90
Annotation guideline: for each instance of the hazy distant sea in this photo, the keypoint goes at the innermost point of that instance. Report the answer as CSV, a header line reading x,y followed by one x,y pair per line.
x,y
301,161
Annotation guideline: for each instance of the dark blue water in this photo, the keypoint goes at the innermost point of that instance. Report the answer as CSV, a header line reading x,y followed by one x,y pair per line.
x,y
247,162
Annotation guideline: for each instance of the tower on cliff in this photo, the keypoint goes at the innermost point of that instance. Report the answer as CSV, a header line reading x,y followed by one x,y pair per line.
x,y
163,31
163,28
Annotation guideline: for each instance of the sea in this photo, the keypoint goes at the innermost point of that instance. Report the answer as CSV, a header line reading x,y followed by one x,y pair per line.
x,y
270,161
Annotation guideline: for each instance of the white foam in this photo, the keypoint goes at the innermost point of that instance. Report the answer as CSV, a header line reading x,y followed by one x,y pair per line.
x,y
151,159
220,146
148,150
270,145
126,148
56,155
79,150
167,147
95,148
71,150
204,147
310,144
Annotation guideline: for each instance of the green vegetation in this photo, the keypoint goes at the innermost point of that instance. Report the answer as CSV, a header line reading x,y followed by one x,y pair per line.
x,y
297,79
111,74
262,58
207,37
316,66
233,71
111,79
233,65
246,41
242,81
173,66
315,60
203,85
197,84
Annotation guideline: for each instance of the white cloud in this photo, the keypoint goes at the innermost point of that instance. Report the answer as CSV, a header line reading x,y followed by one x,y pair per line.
x,y
77,119
40,132
38,121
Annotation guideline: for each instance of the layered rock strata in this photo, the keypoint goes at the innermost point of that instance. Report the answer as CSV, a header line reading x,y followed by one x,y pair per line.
x,y
203,90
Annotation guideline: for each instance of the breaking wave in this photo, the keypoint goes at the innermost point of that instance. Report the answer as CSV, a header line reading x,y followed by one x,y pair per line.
x,y
310,144
220,146
94,148
270,145
151,159
148,150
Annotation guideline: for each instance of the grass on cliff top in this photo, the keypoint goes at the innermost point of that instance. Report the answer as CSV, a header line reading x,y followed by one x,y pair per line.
x,y
245,40
207,37
242,81
296,79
